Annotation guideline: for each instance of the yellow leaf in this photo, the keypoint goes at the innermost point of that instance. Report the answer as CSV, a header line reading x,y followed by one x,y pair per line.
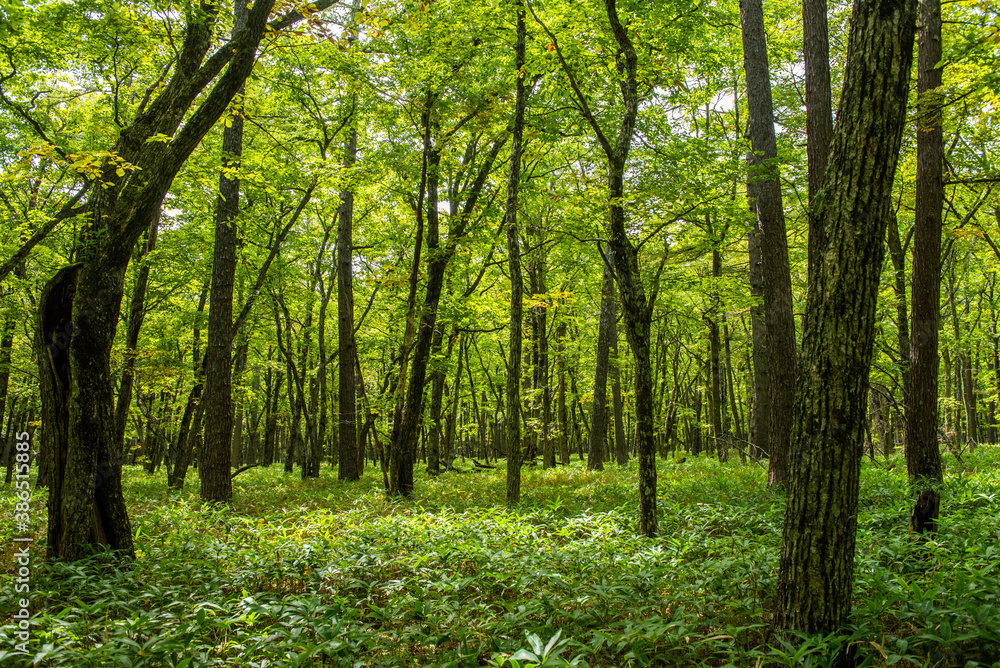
x,y
120,172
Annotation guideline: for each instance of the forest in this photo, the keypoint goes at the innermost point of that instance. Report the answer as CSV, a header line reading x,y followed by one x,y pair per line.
x,y
517,333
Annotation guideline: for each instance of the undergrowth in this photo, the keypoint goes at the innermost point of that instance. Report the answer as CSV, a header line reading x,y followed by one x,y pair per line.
x,y
323,573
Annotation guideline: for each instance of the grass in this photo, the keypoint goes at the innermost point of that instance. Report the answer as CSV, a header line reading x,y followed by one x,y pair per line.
x,y
322,573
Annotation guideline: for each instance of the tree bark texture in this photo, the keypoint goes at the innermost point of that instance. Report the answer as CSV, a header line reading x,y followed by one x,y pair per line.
x,y
599,406
816,574
819,104
923,458
216,453
513,390
764,188
347,446
120,205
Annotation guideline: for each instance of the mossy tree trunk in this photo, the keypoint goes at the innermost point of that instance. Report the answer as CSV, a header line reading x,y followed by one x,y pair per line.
x,y
816,575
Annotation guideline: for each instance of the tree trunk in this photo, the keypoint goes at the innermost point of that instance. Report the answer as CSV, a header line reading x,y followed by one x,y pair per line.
x,y
761,375
136,314
923,458
87,506
183,448
764,188
513,393
599,410
819,105
614,370
816,574
346,424
898,257
216,456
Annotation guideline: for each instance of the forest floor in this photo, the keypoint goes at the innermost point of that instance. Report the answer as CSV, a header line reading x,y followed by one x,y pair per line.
x,y
323,573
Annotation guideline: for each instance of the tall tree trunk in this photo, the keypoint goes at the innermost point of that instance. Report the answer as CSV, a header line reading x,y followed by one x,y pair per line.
x,y
819,105
513,392
347,425
898,256
717,403
136,314
216,455
614,370
437,395
816,573
761,375
923,458
599,410
561,413
183,449
764,189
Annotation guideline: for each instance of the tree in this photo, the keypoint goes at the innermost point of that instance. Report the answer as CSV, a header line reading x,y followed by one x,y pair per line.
x,y
816,573
216,452
79,308
513,393
764,190
923,458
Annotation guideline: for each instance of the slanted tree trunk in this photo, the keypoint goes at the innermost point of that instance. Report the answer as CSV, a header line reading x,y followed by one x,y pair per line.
x,y
816,573
923,458
776,392
87,506
136,314
182,451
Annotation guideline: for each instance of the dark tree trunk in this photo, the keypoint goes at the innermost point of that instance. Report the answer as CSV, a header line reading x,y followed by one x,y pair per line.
x,y
83,461
614,370
562,415
898,256
816,574
599,410
819,104
136,314
513,393
182,451
923,458
347,435
761,375
87,506
717,401
764,189
216,455
437,397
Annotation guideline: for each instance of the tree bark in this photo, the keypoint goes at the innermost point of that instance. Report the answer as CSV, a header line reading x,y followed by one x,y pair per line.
x,y
347,426
121,204
819,105
898,256
599,410
137,312
216,454
816,573
923,458
513,390
764,188
617,407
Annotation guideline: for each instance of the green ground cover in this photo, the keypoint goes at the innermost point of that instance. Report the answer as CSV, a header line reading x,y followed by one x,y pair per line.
x,y
322,573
